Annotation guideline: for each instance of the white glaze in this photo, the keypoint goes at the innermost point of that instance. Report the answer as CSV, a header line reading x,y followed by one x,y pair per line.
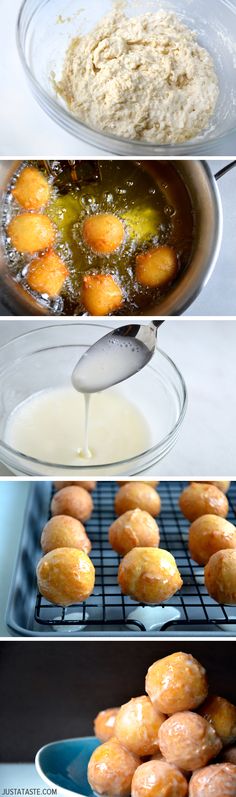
x,y
50,427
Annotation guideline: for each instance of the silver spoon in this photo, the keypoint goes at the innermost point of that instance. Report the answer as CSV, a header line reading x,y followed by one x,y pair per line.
x,y
115,357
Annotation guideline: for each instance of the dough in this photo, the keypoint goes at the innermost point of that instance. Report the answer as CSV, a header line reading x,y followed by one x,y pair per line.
x,y
141,78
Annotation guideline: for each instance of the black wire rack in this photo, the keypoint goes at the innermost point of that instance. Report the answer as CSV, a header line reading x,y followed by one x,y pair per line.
x,y
107,607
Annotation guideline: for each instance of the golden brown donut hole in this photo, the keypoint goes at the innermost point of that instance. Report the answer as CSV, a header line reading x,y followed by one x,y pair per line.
x,y
73,501
63,531
31,232
65,576
47,274
134,528
222,715
209,534
101,294
149,575
202,499
220,577
90,486
176,683
137,725
158,779
104,724
156,267
135,495
103,232
217,780
188,741
111,769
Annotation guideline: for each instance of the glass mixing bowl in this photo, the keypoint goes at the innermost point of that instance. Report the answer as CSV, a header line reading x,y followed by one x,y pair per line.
x,y
46,357
45,28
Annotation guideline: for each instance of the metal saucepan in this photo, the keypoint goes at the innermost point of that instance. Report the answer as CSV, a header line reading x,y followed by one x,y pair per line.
x,y
206,201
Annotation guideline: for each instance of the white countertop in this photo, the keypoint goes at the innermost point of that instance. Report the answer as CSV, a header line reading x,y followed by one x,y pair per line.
x,y
22,776
205,354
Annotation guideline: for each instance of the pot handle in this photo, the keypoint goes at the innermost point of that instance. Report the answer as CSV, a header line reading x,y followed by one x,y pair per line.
x,y
225,169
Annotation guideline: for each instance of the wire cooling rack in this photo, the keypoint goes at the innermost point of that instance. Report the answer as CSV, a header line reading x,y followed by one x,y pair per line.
x,y
107,607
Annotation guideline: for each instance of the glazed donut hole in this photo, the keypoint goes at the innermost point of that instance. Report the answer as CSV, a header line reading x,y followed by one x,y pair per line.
x,y
74,501
111,769
158,779
209,534
47,274
103,233
104,724
31,232
65,576
101,294
89,486
133,528
188,741
222,715
200,498
31,190
63,531
217,780
137,725
156,267
139,495
220,577
149,575
176,683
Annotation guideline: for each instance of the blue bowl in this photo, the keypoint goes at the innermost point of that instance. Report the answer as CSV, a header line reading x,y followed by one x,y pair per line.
x,y
64,764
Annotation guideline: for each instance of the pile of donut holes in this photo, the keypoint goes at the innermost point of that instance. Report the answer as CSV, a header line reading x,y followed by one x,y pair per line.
x,y
173,741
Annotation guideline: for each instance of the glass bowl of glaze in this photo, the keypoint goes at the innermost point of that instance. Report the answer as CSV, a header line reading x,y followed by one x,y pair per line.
x,y
43,359
45,28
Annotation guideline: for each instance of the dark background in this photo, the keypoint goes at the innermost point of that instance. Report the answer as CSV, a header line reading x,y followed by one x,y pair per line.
x,y
53,690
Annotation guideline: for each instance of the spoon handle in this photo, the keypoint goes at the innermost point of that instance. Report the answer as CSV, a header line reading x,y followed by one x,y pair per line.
x,y
157,324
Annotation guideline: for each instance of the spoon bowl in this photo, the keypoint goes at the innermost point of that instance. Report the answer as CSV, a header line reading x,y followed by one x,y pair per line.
x,y
115,357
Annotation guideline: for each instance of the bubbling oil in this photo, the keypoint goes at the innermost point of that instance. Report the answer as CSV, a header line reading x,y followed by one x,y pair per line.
x,y
152,202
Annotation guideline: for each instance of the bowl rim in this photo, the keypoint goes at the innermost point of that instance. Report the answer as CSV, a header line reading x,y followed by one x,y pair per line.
x,y
40,771
75,127
171,436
